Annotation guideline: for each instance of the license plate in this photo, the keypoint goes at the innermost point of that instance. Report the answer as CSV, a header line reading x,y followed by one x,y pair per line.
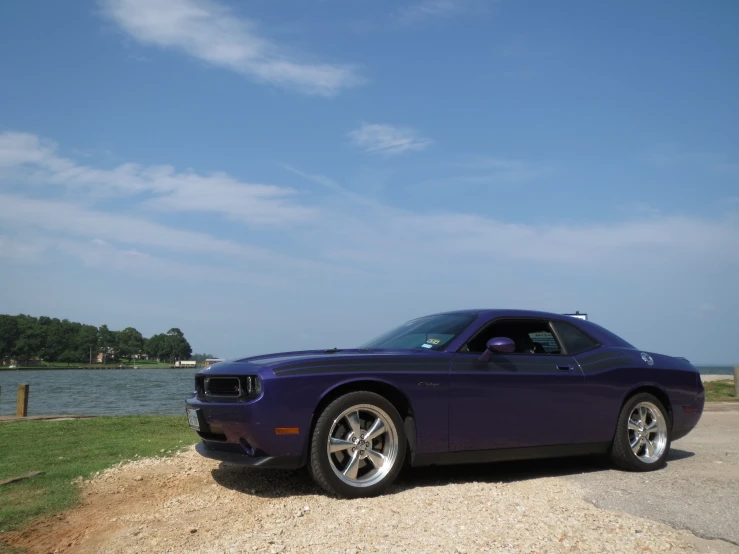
x,y
192,418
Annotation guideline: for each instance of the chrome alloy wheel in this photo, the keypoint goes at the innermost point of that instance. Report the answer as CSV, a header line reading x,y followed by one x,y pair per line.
x,y
647,432
362,445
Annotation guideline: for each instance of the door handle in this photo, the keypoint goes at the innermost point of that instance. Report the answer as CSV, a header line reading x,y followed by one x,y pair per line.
x,y
564,368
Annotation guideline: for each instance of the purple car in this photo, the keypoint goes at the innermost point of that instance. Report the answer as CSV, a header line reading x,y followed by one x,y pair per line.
x,y
452,388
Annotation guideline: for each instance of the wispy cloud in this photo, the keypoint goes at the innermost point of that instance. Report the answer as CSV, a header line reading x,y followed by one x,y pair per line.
x,y
210,31
430,9
387,139
670,156
640,208
346,220
27,249
491,169
372,236
355,250
56,224
164,187
56,217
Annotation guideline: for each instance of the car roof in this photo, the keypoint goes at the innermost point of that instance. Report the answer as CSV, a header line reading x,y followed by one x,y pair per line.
x,y
497,312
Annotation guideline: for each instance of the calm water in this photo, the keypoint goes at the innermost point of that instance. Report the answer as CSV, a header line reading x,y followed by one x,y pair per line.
x,y
119,391
716,369
99,392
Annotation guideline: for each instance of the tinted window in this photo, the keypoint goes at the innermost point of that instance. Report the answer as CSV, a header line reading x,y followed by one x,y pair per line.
x,y
431,332
574,340
530,336
604,335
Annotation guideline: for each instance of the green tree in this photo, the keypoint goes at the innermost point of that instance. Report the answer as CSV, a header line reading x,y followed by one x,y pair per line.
x,y
106,342
156,347
130,343
69,357
177,346
200,358
9,335
31,339
86,343
57,339
25,338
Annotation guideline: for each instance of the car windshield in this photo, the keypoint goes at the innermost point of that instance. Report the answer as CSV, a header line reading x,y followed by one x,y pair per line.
x,y
431,332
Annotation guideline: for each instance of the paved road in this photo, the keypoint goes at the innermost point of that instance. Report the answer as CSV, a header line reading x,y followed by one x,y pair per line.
x,y
699,489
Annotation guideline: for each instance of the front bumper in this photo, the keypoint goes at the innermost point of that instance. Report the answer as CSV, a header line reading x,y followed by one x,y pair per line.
x,y
223,453
244,433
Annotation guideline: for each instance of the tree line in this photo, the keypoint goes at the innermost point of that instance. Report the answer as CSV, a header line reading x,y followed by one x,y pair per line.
x,y
24,338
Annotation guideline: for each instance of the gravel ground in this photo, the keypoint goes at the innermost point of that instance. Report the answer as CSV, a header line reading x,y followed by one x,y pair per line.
x,y
190,504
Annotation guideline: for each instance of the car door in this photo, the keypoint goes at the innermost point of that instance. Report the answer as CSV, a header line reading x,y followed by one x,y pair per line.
x,y
524,399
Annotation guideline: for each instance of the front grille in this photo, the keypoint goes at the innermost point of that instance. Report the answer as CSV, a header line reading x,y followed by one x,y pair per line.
x,y
223,386
242,387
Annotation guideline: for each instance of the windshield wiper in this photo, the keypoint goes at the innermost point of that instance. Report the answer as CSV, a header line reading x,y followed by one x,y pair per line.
x,y
332,351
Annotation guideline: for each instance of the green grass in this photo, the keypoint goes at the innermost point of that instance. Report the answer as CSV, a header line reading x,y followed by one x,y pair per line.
x,y
720,391
66,450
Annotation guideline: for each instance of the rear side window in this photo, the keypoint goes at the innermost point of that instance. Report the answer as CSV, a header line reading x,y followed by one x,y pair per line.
x,y
546,340
574,340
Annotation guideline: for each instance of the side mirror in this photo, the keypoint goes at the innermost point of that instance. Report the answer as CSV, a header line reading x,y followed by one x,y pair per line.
x,y
501,345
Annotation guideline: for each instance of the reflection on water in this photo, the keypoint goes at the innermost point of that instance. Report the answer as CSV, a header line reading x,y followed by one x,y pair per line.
x,y
99,391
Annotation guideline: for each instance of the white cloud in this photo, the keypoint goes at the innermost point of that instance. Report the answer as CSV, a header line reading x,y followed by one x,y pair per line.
x,y
380,261
61,221
63,217
347,221
209,31
387,139
102,255
22,249
655,240
171,190
372,234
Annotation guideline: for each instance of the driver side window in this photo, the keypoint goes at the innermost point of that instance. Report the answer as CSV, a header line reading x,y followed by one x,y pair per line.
x,y
531,336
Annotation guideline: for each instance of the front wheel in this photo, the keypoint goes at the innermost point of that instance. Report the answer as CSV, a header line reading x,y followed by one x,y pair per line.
x,y
358,445
642,440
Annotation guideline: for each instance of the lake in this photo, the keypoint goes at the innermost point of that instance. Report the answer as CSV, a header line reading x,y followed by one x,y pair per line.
x,y
99,391
119,391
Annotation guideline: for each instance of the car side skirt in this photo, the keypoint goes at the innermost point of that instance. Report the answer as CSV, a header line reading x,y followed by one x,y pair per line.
x,y
509,454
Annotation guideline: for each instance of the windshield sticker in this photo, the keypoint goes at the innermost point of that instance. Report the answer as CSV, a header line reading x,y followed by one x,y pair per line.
x,y
433,341
427,346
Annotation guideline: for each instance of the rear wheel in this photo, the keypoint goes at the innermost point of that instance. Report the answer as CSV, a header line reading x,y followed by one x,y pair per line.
x,y
358,445
642,440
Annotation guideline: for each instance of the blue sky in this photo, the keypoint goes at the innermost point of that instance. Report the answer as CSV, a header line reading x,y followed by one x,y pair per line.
x,y
278,175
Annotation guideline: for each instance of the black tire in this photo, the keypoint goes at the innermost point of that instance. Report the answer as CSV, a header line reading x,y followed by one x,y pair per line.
x,y
621,452
321,466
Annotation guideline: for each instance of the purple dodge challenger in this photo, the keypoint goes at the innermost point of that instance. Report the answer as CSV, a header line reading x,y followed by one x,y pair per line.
x,y
452,388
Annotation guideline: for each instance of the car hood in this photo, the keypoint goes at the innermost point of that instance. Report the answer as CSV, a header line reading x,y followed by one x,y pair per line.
x,y
313,358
